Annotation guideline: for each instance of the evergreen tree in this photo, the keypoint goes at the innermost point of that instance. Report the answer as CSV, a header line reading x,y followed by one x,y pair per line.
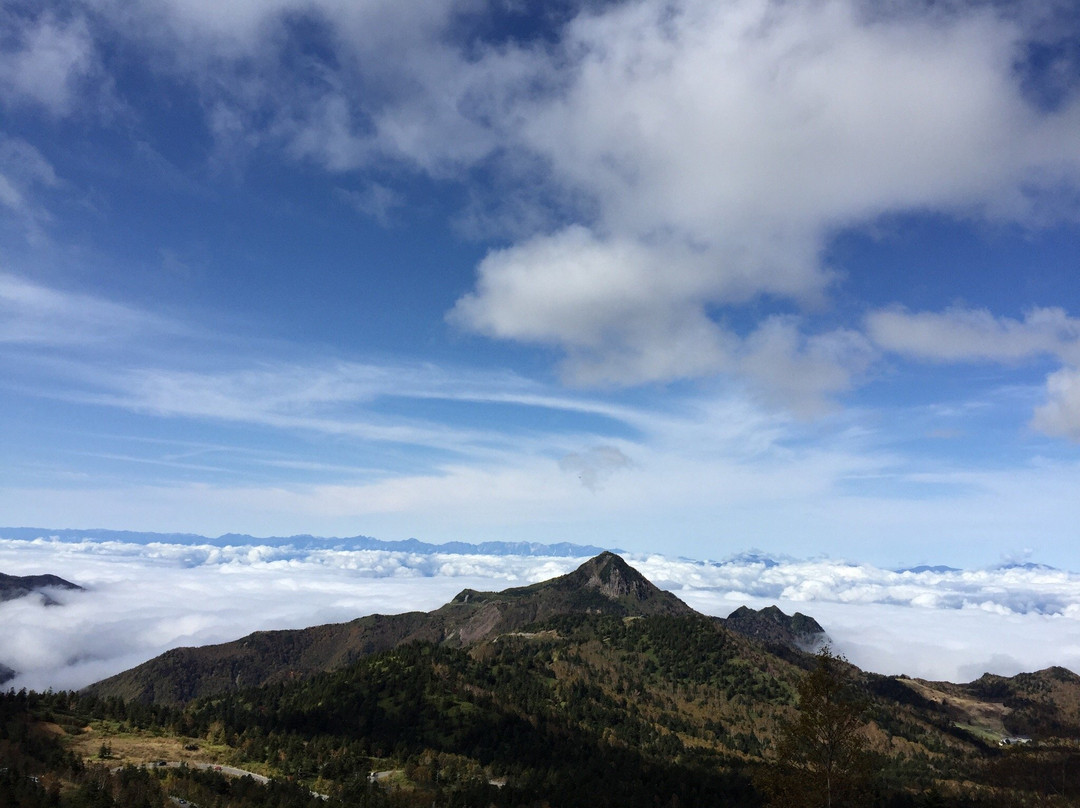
x,y
821,755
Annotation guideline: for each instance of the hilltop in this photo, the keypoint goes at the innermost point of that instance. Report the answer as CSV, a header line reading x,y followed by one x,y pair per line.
x,y
13,587
19,586
773,627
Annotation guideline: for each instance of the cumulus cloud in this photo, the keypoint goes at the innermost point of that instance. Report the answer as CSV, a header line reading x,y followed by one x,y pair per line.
x,y
598,300
384,81
670,161
1060,415
976,335
590,295
800,371
723,143
144,599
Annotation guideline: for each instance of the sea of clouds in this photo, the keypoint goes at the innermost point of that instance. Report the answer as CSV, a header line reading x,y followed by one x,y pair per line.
x,y
142,599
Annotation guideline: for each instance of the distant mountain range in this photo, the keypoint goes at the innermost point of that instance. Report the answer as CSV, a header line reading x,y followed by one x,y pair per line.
x,y
308,542
940,569
305,542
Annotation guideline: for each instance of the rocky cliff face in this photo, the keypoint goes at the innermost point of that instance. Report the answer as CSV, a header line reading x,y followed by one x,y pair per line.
x,y
771,625
615,579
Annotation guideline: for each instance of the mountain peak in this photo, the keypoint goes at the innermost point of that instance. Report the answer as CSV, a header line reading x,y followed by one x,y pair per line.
x,y
605,583
610,575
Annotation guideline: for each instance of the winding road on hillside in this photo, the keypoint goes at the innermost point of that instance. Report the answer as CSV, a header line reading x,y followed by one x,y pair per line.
x,y
231,771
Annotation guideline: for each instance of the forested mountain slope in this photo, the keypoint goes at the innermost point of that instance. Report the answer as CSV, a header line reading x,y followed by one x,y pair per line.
x,y
594,689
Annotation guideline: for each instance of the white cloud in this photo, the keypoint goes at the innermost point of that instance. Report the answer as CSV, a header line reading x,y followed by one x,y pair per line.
x,y
41,316
719,454
144,599
69,346
785,119
50,63
341,399
25,177
589,296
1060,415
711,468
801,372
709,463
952,625
599,301
976,335
390,85
723,143
696,155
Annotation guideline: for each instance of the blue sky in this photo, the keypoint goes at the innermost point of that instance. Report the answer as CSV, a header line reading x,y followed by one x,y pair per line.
x,y
686,277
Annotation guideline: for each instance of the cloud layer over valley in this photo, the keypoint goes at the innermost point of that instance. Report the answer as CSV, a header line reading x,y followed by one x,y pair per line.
x,y
142,599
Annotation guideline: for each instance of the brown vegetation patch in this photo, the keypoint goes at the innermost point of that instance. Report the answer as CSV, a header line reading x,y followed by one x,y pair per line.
x,y
140,747
983,715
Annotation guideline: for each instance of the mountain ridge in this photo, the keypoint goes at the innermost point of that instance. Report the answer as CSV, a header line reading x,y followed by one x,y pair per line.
x,y
605,584
19,586
607,588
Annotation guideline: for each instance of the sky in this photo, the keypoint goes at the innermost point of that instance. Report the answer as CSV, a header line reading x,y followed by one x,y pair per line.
x,y
142,599
682,277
